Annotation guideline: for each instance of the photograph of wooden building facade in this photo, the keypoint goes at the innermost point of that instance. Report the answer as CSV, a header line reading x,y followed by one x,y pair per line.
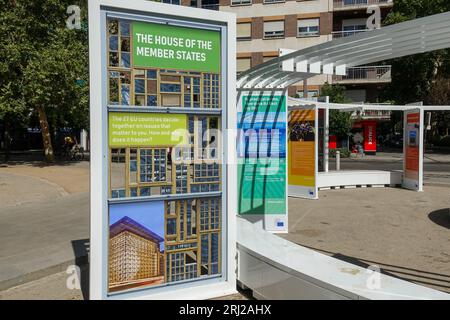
x,y
135,257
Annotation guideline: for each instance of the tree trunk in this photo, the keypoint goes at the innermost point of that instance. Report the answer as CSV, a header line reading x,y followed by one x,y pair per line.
x,y
47,141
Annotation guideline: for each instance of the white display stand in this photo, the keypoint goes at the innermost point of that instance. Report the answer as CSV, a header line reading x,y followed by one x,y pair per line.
x,y
140,10
416,183
256,122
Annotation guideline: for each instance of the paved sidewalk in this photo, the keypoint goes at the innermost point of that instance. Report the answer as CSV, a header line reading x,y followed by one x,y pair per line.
x,y
44,219
405,233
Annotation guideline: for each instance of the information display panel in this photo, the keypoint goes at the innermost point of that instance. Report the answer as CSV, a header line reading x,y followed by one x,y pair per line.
x,y
303,153
262,177
413,150
162,217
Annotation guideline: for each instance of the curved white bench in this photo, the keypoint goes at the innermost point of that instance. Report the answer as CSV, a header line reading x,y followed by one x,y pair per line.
x,y
275,268
354,178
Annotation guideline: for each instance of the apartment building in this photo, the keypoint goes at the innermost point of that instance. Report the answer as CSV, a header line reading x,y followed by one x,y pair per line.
x,y
264,26
349,18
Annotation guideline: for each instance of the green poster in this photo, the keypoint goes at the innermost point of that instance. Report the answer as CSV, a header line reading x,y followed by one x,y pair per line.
x,y
147,129
262,186
172,47
262,155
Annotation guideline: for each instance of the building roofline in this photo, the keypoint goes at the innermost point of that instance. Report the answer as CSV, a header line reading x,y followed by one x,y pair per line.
x,y
128,224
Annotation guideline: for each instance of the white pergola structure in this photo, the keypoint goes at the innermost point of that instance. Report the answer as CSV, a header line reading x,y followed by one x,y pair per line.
x,y
352,178
394,41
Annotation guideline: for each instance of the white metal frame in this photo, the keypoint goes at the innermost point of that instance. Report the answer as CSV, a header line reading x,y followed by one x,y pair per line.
x,y
333,57
202,289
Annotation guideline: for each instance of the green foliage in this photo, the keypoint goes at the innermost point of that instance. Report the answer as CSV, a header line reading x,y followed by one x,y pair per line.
x,y
419,70
423,77
442,141
336,93
340,122
40,62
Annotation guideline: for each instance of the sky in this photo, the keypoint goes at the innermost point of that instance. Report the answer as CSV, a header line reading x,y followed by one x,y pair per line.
x,y
149,214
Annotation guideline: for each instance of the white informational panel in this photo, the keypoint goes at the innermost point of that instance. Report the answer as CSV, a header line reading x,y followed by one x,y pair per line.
x,y
163,197
413,150
303,139
262,168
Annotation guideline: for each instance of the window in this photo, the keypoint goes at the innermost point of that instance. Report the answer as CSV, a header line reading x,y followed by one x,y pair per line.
x,y
353,26
243,64
273,1
244,31
308,28
273,29
241,2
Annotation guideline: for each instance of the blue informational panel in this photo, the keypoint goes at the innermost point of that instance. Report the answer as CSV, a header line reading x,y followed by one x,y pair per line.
x,y
262,181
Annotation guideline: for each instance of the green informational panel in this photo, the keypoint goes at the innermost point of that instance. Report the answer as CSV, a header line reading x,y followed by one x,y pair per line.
x,y
145,129
262,156
262,191
172,47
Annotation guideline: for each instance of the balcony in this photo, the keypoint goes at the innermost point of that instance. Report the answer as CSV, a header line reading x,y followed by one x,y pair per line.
x,y
361,75
343,34
342,5
372,115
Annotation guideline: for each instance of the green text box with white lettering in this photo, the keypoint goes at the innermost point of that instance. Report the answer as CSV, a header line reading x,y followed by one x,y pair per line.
x,y
172,47
147,129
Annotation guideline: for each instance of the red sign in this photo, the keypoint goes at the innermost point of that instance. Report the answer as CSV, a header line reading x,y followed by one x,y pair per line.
x,y
370,136
332,143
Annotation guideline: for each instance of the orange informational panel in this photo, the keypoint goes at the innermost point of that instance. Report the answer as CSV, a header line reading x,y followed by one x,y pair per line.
x,y
302,153
413,150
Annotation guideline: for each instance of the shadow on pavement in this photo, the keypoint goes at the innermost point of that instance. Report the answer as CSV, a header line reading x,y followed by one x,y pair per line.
x,y
81,251
441,217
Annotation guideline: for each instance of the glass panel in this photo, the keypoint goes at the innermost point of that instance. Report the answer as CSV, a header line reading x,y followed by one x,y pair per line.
x,y
140,100
169,87
113,91
124,28
113,27
113,43
151,74
113,59
125,60
125,91
139,86
133,166
139,73
118,172
125,44
152,101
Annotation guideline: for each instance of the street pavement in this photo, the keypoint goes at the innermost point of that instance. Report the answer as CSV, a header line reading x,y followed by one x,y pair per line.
x,y
44,220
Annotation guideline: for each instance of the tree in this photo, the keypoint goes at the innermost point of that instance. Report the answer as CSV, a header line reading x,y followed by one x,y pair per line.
x,y
40,63
419,77
340,122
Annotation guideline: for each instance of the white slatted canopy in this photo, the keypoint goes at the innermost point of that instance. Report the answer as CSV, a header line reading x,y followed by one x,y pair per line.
x,y
407,38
